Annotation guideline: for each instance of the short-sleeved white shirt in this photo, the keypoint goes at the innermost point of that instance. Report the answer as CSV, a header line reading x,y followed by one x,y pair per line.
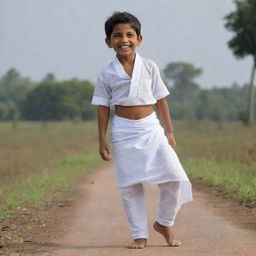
x,y
115,87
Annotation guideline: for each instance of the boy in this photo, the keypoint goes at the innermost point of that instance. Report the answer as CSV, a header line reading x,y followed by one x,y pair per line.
x,y
142,149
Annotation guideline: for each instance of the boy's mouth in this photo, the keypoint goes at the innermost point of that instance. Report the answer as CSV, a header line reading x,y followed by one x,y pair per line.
x,y
125,46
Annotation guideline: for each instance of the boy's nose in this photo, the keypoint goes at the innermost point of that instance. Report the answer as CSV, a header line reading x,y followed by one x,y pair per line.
x,y
124,39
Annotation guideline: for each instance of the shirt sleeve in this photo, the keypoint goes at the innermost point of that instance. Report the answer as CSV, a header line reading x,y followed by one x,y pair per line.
x,y
102,93
159,88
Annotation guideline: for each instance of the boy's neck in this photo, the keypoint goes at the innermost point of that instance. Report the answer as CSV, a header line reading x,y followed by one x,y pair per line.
x,y
126,59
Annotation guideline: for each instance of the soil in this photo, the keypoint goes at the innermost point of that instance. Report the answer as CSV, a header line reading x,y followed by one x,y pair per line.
x,y
91,221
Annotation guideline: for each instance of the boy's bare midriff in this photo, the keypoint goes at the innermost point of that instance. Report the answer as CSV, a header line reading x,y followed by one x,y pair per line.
x,y
133,112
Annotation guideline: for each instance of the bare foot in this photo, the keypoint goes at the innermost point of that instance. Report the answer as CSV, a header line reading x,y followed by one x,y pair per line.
x,y
139,243
167,233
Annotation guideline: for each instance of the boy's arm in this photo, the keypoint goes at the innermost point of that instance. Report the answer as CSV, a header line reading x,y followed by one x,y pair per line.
x,y
103,119
163,109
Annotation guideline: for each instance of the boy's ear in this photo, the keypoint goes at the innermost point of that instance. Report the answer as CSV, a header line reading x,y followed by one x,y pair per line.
x,y
107,41
139,39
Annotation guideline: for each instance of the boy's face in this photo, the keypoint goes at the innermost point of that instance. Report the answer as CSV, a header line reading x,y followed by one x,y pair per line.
x,y
124,40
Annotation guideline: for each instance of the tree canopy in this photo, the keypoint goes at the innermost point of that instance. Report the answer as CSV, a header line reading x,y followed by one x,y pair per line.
x,y
182,76
243,23
66,100
71,99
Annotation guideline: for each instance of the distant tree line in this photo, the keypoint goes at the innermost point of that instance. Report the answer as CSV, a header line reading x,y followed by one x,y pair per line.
x,y
67,100
22,99
189,101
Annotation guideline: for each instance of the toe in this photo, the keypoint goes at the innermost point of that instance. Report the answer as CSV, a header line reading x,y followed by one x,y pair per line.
x,y
178,243
131,246
138,244
135,246
175,243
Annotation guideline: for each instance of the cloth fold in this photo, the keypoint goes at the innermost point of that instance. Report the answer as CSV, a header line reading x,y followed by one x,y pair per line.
x,y
141,153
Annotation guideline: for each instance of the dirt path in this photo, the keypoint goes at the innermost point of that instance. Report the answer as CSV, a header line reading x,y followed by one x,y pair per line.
x,y
98,225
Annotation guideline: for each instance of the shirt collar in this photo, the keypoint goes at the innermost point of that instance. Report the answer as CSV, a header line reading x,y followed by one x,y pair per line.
x,y
120,69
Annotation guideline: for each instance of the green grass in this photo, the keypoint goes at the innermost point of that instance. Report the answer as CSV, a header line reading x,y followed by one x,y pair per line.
x,y
38,161
233,178
47,183
223,156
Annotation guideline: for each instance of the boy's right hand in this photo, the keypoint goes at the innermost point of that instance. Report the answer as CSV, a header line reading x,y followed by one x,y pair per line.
x,y
105,151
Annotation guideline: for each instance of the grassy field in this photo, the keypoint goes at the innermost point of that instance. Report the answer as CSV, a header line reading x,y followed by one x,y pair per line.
x,y
37,161
223,156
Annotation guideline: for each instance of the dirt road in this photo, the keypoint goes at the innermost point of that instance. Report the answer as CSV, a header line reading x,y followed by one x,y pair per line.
x,y
98,225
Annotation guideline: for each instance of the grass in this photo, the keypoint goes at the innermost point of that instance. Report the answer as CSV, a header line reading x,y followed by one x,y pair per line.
x,y
235,179
37,161
223,156
43,187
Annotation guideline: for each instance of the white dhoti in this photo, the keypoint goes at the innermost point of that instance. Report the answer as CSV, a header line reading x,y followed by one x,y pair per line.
x,y
141,153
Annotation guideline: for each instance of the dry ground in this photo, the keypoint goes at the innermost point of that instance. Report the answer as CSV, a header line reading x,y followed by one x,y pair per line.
x,y
92,222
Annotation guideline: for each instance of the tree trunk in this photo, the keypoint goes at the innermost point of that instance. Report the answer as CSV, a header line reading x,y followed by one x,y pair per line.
x,y
251,95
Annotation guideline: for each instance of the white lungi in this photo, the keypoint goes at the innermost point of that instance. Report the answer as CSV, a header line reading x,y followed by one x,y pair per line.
x,y
142,153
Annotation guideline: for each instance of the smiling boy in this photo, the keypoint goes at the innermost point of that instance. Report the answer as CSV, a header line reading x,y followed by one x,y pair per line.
x,y
124,40
142,150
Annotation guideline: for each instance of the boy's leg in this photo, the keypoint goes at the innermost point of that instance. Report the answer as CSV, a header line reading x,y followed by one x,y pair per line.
x,y
168,208
134,206
168,205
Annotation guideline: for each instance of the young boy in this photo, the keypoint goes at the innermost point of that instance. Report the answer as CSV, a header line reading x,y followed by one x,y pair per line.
x,y
142,150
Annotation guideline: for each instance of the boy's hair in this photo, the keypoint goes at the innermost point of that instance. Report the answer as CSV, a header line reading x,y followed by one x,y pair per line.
x,y
121,17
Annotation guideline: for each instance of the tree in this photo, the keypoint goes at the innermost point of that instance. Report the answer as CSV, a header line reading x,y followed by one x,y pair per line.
x,y
211,106
182,75
67,100
4,111
13,91
50,77
243,23
8,82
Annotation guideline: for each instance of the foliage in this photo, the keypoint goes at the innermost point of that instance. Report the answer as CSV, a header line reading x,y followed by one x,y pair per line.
x,y
48,100
243,23
49,77
21,99
188,101
13,91
182,75
59,101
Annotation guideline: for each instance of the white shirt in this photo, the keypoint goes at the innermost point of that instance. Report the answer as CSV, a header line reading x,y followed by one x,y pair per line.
x,y
115,87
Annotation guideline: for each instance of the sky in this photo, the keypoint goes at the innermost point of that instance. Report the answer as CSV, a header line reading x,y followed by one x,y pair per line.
x,y
66,37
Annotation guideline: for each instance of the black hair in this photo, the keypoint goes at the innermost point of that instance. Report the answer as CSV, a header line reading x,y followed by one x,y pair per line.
x,y
121,17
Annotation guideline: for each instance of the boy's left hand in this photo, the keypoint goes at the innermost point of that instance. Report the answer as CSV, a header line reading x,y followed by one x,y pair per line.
x,y
171,139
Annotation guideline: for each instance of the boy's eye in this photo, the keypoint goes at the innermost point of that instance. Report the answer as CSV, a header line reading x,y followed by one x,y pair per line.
x,y
130,35
116,35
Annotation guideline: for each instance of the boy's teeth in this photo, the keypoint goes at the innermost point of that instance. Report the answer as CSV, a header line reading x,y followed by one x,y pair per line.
x,y
125,46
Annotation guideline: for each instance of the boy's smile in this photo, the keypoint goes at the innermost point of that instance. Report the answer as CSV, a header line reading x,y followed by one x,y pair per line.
x,y
124,40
